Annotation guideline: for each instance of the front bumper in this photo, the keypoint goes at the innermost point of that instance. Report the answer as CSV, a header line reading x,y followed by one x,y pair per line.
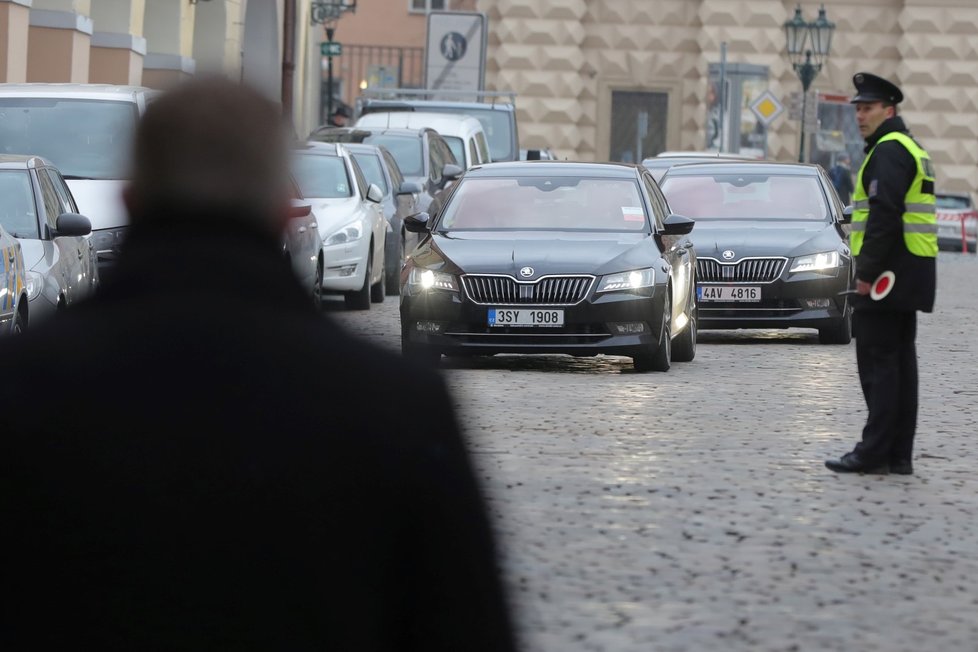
x,y
445,322
802,300
345,266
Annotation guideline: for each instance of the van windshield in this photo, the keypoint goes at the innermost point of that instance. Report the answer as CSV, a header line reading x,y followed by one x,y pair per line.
x,y
496,124
85,139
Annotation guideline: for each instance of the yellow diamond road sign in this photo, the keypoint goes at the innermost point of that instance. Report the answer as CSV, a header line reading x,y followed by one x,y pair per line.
x,y
767,108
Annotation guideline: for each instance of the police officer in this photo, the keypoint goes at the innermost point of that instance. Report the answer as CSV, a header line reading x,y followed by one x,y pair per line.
x,y
894,229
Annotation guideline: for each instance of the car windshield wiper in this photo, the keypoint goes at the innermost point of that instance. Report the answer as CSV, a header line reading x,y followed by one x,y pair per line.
x,y
75,177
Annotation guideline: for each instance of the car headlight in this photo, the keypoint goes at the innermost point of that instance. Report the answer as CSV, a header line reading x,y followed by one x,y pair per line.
x,y
35,283
816,262
633,280
349,233
427,279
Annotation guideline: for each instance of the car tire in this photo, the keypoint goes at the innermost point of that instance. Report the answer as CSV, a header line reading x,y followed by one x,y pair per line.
x,y
684,346
418,353
394,275
660,358
360,299
317,287
838,333
379,290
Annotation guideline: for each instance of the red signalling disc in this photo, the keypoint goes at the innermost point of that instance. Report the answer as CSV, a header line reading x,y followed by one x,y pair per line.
x,y
882,286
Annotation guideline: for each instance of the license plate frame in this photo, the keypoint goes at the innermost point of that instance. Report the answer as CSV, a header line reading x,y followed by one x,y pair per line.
x,y
728,294
525,317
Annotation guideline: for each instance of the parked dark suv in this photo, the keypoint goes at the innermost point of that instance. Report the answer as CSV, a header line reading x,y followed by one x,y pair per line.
x,y
423,157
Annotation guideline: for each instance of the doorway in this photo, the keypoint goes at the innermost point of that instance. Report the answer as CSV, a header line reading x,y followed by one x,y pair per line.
x,y
638,125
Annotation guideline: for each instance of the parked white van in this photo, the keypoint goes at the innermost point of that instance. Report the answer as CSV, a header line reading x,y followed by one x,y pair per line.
x,y
86,130
464,134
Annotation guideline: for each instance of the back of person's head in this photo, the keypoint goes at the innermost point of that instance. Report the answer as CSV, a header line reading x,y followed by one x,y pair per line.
x,y
211,150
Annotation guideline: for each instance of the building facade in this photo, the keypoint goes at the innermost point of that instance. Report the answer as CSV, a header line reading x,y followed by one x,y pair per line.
x,y
156,43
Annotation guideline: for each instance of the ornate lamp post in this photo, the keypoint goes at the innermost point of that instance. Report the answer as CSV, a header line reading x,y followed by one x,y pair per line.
x,y
327,12
808,45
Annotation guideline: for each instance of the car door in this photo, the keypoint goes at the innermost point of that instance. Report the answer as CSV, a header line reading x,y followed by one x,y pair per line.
x,y
85,254
677,250
375,213
62,251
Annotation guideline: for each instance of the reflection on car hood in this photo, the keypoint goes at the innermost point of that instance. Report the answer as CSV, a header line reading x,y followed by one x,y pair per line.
x,y
100,201
333,213
33,252
548,253
769,238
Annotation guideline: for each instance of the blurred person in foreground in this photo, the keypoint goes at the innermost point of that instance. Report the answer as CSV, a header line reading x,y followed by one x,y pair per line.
x,y
196,460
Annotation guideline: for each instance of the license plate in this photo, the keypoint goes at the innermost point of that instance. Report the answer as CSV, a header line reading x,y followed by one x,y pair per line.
x,y
707,293
525,317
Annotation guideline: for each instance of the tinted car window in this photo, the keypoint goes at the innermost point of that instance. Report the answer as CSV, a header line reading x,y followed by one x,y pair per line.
x,y
534,203
483,147
17,213
321,176
49,196
436,160
457,146
84,138
949,201
361,180
372,171
746,196
396,177
406,150
67,205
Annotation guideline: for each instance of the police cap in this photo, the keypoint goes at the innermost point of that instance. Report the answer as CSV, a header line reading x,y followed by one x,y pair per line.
x,y
871,88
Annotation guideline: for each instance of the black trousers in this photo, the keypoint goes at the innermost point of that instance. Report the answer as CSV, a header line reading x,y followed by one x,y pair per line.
x,y
886,354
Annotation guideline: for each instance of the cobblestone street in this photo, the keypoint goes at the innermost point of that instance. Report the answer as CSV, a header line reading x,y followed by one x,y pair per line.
x,y
691,510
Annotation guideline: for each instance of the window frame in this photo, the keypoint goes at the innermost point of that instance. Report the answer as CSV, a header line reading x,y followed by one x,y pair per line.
x,y
428,8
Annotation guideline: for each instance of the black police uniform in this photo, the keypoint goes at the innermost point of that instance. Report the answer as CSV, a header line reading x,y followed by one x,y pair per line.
x,y
886,330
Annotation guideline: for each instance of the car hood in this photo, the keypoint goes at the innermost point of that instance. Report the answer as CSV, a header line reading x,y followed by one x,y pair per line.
x,y
333,213
100,201
770,238
508,252
33,251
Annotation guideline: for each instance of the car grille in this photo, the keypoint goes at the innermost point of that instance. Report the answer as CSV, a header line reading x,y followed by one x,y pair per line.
x,y
749,270
485,289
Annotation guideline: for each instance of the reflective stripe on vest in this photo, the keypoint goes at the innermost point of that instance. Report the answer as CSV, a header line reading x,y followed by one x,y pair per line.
x,y
919,217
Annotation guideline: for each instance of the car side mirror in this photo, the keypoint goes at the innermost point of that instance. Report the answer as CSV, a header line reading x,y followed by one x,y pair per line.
x,y
678,225
299,208
451,172
374,193
409,188
847,214
72,224
417,223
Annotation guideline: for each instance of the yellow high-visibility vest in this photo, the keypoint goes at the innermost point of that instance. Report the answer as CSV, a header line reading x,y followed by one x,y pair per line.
x,y
919,217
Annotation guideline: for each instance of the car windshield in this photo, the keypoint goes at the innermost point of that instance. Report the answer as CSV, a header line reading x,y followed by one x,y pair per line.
x,y
950,201
322,177
457,146
546,203
17,212
746,196
405,149
88,139
370,166
496,124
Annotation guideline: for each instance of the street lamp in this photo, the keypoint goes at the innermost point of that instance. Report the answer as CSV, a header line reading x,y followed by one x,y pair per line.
x,y
327,12
808,45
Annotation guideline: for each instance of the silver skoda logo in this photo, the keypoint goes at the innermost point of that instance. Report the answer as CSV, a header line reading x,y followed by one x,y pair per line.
x,y
526,272
728,254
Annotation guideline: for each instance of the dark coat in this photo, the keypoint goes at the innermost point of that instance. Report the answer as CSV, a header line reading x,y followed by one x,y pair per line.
x,y
887,177
196,460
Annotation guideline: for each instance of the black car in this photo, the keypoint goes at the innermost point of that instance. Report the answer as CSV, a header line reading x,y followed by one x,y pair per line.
x,y
552,257
423,156
380,168
770,245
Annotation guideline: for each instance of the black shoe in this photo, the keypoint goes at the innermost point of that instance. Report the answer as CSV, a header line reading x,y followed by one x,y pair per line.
x,y
851,463
901,467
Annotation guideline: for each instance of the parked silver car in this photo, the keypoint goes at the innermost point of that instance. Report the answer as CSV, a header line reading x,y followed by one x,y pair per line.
x,y
38,209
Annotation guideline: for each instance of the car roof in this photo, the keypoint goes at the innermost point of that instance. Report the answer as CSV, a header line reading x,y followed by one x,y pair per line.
x,y
409,104
698,154
318,148
553,168
357,134
450,124
21,162
77,91
747,167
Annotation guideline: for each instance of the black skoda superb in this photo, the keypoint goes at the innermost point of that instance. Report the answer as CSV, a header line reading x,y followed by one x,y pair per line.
x,y
552,257
771,248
